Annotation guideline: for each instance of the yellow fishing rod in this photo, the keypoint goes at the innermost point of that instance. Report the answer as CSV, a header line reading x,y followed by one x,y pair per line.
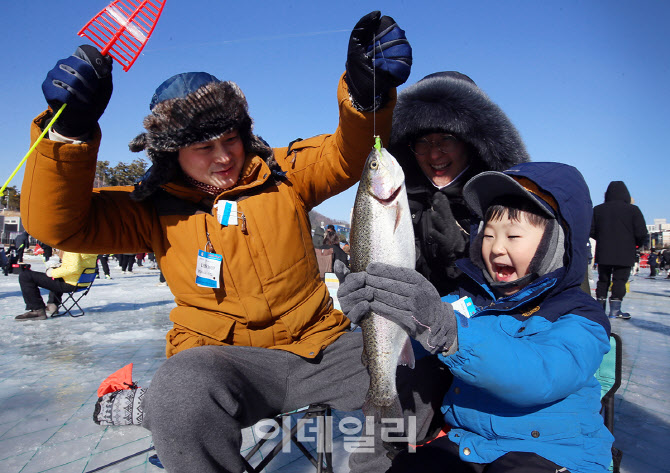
x,y
119,30
32,148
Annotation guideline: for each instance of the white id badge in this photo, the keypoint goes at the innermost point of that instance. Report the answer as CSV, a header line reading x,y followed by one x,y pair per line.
x,y
465,306
208,269
226,212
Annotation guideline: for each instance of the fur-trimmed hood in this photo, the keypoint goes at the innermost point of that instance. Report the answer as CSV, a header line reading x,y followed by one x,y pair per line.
x,y
451,102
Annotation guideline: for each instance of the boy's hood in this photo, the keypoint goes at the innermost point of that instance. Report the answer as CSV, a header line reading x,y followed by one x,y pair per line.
x,y
567,186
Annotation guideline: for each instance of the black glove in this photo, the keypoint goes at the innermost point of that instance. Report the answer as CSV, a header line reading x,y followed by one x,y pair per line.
x,y
390,61
84,82
405,297
446,235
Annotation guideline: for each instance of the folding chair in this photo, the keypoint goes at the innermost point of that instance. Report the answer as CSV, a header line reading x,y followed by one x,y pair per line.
x,y
324,460
609,377
83,285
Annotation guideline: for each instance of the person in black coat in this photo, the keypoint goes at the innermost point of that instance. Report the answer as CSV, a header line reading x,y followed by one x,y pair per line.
x,y
22,242
653,260
446,130
618,228
340,259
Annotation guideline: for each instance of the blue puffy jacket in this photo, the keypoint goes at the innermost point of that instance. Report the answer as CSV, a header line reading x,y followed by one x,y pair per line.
x,y
524,369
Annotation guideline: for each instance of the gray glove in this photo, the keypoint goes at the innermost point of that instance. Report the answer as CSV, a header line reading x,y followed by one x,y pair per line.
x,y
354,296
405,297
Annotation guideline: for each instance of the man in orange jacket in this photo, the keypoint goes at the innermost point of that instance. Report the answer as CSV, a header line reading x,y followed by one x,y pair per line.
x,y
255,332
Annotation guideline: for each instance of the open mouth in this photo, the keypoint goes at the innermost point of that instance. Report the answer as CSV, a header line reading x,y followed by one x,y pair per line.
x,y
503,272
391,198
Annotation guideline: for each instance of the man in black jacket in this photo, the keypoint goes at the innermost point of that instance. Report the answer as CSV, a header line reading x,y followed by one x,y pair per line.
x,y
22,242
618,227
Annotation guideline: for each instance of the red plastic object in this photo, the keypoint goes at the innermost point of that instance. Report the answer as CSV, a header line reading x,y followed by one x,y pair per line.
x,y
123,28
119,380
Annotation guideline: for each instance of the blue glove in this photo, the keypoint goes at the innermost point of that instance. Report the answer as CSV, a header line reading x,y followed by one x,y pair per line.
x,y
390,60
84,82
405,297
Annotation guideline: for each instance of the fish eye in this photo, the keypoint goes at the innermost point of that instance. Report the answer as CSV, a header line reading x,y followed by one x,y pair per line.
x,y
374,164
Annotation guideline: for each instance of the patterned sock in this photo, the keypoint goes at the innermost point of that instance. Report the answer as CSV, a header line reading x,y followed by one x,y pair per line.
x,y
122,407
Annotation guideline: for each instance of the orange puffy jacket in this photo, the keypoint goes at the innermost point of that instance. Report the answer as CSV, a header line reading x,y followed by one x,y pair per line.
x,y
271,294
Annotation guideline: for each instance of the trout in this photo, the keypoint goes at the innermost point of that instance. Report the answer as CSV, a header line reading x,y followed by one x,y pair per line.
x,y
381,231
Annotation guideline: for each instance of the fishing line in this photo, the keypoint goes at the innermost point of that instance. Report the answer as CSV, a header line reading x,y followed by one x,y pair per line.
x,y
374,87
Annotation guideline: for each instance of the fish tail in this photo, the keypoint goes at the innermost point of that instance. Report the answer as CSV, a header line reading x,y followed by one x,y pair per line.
x,y
383,413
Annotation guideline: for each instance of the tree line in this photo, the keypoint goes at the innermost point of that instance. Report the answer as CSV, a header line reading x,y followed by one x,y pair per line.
x,y
105,175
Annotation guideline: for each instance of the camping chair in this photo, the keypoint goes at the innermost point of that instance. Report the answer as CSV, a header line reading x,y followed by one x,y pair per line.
x,y
83,285
324,460
609,376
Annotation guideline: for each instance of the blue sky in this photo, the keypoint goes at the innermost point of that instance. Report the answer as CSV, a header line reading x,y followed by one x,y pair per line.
x,y
585,82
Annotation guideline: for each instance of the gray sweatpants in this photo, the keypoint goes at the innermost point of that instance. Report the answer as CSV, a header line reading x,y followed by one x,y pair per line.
x,y
200,399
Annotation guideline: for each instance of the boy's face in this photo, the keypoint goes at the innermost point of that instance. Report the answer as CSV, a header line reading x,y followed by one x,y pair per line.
x,y
508,248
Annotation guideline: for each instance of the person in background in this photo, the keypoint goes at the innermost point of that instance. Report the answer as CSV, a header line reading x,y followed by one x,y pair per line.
x,y
57,280
445,131
254,330
340,263
4,261
11,259
524,397
317,237
152,259
653,261
618,228
104,262
127,261
48,251
22,242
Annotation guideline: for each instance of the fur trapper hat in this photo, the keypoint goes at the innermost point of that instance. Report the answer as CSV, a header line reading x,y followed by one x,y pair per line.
x,y
190,108
451,102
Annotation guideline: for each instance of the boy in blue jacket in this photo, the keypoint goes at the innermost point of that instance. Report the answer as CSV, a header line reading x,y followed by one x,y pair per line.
x,y
524,396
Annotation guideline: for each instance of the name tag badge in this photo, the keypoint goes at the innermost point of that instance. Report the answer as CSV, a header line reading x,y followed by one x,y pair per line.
x,y
465,306
208,269
226,212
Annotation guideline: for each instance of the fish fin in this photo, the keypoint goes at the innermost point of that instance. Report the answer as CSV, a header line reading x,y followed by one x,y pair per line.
x,y
392,411
406,357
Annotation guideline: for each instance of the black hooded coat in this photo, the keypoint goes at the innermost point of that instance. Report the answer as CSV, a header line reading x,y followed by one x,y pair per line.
x,y
449,102
618,227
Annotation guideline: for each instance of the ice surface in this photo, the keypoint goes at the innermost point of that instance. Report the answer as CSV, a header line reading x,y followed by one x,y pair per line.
x,y
50,371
